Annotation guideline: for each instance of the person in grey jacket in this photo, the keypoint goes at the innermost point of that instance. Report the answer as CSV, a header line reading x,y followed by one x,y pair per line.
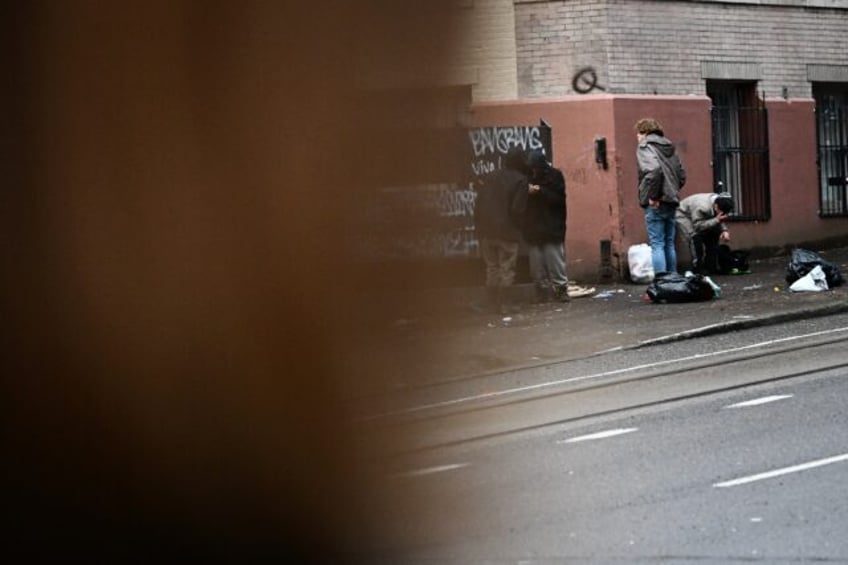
x,y
661,176
700,220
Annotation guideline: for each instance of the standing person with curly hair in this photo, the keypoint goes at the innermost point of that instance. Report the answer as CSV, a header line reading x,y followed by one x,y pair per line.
x,y
661,177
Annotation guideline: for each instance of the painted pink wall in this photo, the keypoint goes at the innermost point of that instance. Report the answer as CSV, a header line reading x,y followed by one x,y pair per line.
x,y
794,183
592,199
686,121
602,204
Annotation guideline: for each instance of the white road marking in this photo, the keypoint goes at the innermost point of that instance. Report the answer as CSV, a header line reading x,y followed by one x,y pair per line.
x,y
784,471
599,435
758,401
529,388
432,470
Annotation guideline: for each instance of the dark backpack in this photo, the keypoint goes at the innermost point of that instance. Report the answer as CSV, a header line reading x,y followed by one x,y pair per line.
x,y
732,261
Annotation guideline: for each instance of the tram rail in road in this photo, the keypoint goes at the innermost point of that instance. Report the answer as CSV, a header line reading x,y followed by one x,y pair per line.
x,y
449,420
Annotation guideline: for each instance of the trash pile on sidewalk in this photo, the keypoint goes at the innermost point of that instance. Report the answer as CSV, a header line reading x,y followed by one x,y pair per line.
x,y
807,271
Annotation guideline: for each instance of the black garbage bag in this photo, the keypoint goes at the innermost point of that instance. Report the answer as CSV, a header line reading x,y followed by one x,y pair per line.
x,y
802,261
674,287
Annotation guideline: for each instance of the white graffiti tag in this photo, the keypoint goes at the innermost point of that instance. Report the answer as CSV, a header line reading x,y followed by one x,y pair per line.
x,y
494,140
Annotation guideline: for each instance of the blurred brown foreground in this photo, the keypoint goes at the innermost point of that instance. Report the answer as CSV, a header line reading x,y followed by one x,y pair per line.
x,y
177,288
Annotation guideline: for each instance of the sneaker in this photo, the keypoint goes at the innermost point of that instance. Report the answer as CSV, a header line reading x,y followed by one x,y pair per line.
x,y
561,294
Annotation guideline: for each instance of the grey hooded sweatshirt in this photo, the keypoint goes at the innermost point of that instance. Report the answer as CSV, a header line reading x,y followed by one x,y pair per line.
x,y
661,174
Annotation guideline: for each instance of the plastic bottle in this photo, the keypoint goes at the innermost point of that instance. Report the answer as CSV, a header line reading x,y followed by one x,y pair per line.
x,y
715,287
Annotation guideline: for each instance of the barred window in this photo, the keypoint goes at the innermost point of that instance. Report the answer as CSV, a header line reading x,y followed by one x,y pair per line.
x,y
740,147
832,147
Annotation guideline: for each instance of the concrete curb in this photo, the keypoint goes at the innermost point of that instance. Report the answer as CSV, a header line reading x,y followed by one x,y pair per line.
x,y
734,325
713,329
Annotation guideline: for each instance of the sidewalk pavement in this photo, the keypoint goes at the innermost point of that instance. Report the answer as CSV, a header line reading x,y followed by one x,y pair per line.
x,y
443,337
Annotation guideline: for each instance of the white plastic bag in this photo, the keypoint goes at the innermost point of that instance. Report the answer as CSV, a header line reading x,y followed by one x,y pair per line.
x,y
639,261
814,281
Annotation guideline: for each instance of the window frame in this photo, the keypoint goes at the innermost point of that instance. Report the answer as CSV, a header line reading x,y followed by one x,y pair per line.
x,y
831,99
740,147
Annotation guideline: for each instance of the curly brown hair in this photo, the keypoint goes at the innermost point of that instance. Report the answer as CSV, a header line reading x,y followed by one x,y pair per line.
x,y
649,125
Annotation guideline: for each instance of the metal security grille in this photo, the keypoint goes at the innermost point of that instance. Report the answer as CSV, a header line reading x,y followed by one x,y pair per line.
x,y
740,147
832,142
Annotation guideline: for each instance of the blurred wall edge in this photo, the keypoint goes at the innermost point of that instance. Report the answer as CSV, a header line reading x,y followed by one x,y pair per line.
x,y
177,294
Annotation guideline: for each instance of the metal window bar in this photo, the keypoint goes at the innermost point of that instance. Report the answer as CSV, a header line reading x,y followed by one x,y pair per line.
x,y
832,150
740,151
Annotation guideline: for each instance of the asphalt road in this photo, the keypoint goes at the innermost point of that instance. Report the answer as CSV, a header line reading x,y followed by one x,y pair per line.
x,y
725,449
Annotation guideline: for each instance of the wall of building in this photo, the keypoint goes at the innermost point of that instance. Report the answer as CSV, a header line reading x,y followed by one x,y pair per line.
x,y
474,38
686,121
794,183
486,57
673,46
554,40
602,204
592,200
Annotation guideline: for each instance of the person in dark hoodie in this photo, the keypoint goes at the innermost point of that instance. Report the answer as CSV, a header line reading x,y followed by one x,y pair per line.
x,y
500,204
661,177
544,229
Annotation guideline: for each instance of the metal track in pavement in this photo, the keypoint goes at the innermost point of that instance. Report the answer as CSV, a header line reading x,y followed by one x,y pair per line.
x,y
459,421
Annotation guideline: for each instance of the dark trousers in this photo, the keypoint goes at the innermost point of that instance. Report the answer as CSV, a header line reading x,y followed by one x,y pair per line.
x,y
703,246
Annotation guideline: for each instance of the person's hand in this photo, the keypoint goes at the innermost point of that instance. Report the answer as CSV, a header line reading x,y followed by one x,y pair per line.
x,y
534,188
653,203
725,236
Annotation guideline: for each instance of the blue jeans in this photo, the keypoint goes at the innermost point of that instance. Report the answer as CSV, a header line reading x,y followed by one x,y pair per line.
x,y
661,231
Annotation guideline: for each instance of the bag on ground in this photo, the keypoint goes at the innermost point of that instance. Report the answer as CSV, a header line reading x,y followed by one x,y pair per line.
x,y
814,281
732,261
802,261
674,287
639,261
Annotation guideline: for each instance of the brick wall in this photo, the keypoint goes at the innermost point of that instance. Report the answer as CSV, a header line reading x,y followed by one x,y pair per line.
x,y
475,38
659,46
486,57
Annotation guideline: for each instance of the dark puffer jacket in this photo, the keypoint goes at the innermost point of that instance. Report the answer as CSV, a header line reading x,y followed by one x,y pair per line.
x,y
501,200
544,221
